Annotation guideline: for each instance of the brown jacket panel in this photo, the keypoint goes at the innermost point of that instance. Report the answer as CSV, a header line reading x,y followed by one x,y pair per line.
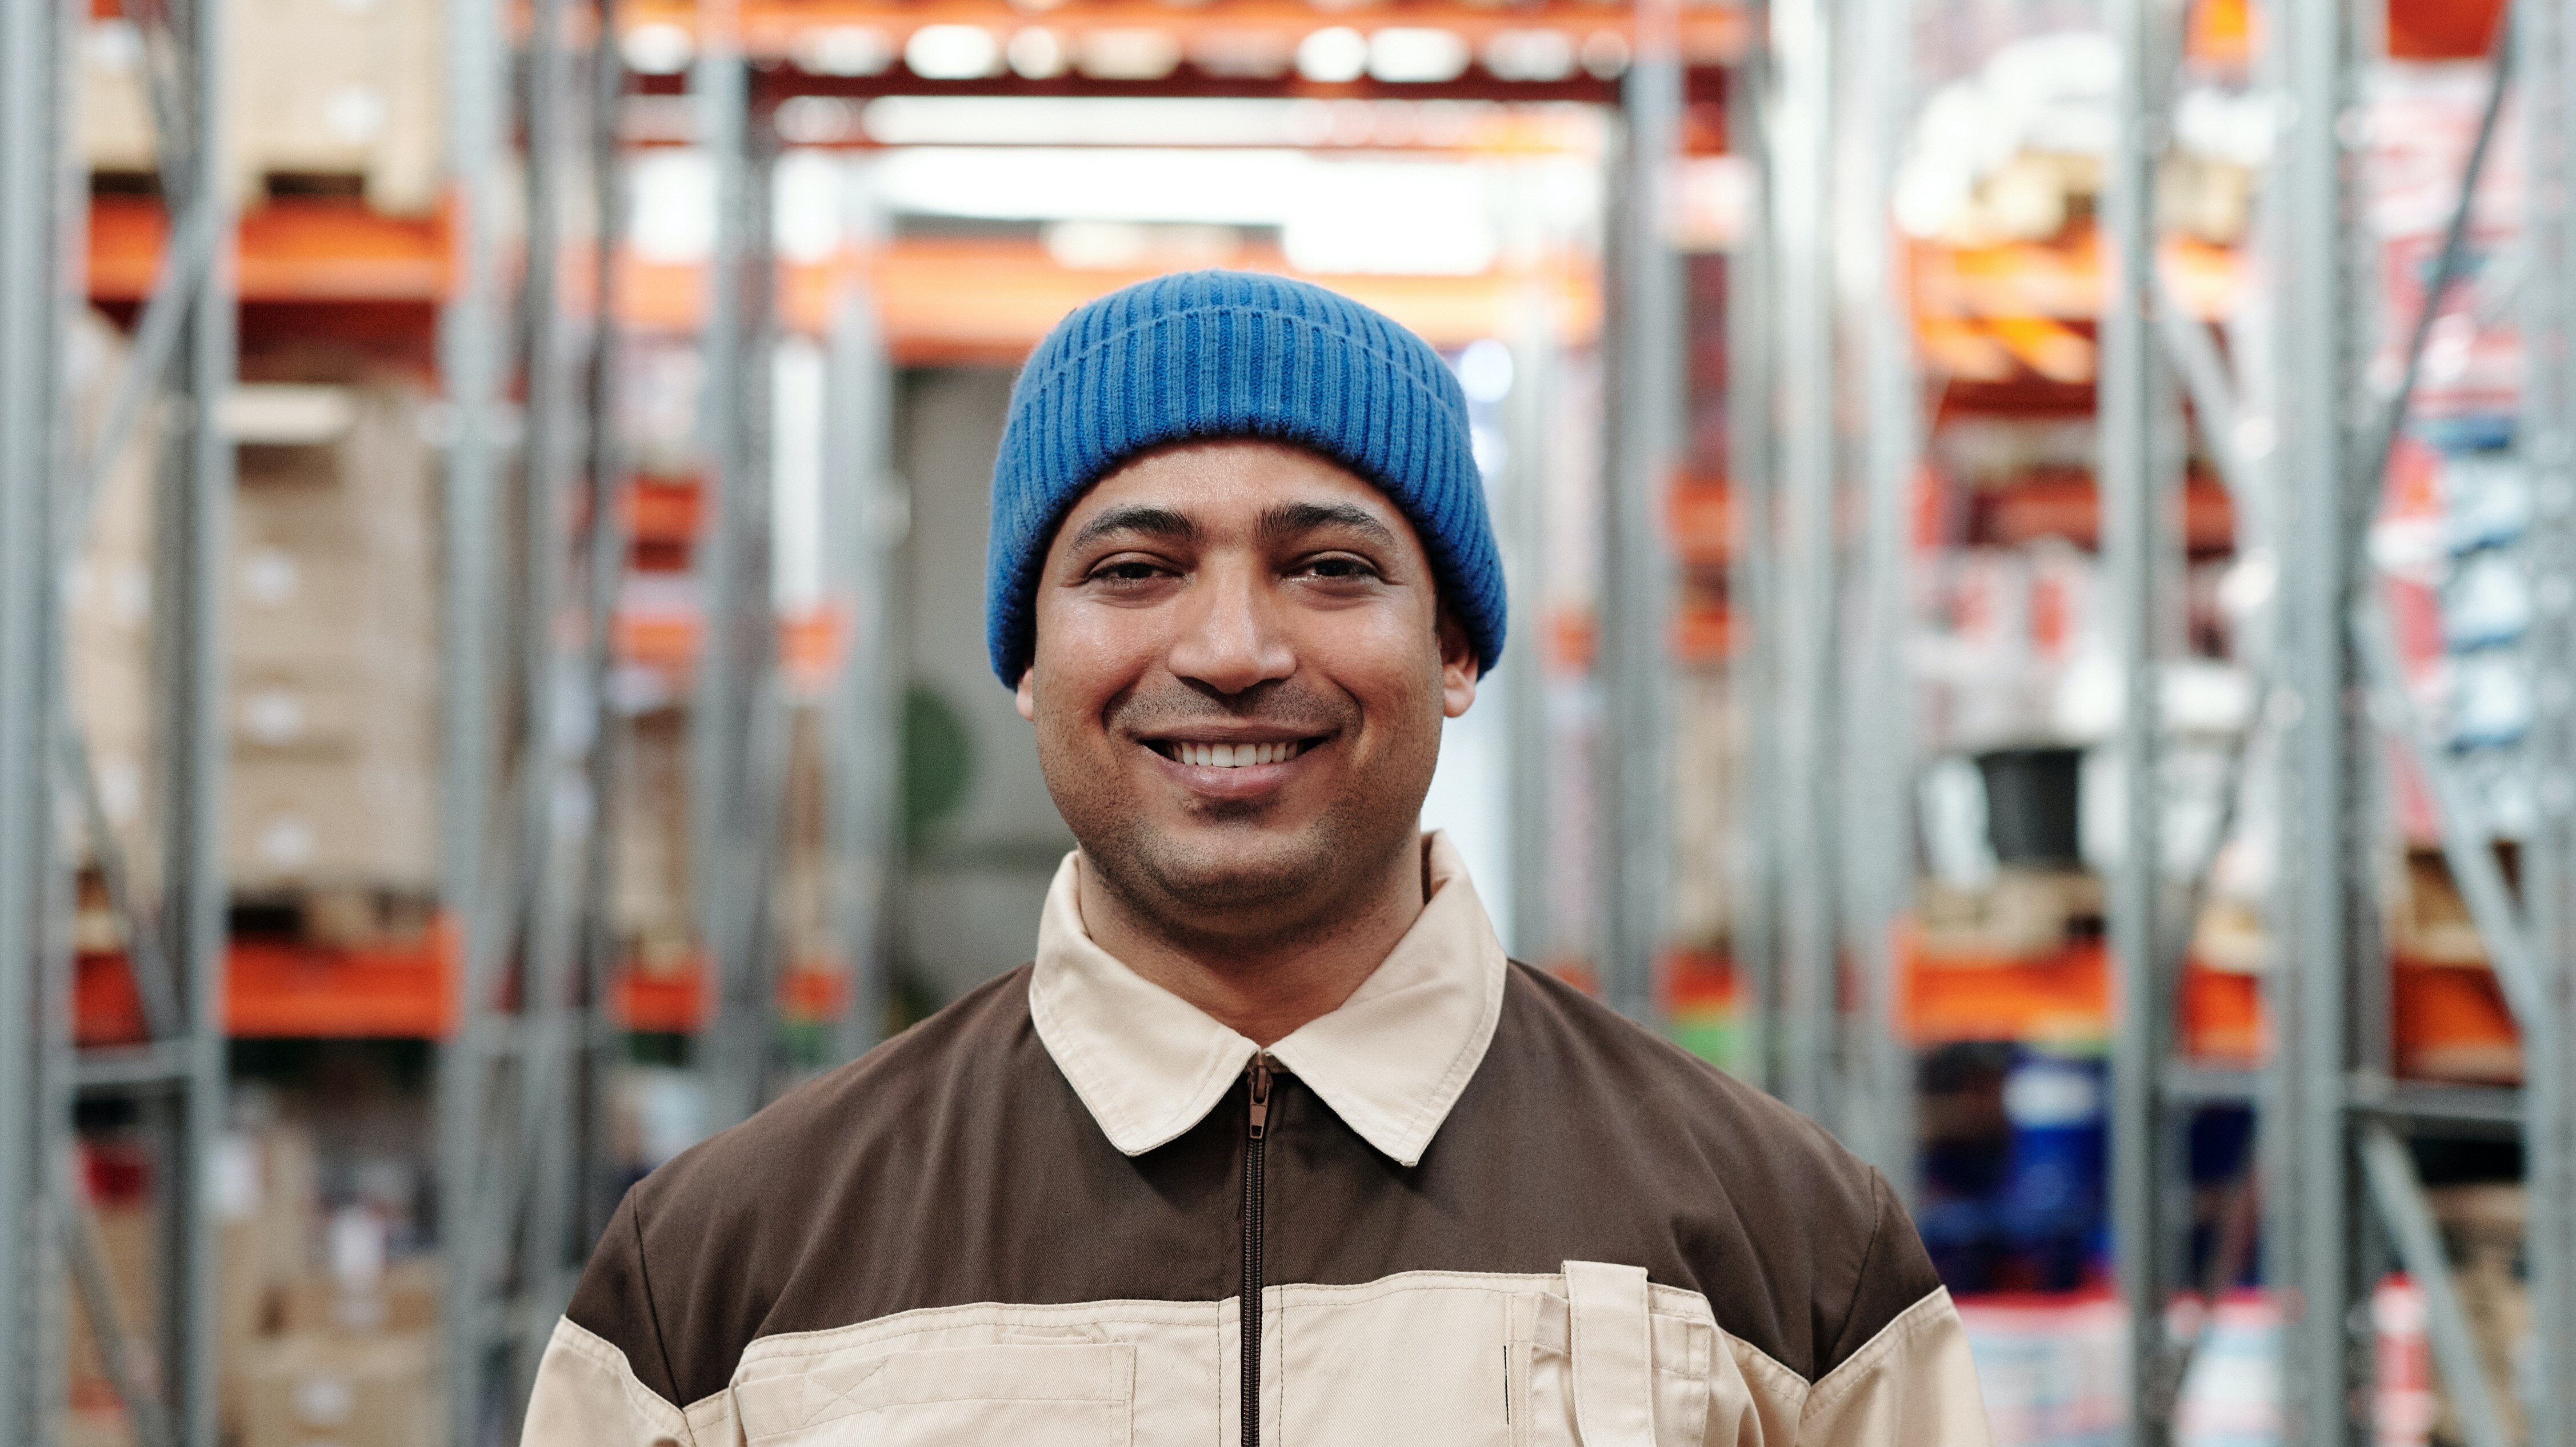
x,y
955,1165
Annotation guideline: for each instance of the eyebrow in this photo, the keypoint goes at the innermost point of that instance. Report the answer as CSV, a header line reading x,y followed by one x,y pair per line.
x,y
1291,519
1155,522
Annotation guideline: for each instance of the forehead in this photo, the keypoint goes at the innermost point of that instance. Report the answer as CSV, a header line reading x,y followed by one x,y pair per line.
x,y
1232,482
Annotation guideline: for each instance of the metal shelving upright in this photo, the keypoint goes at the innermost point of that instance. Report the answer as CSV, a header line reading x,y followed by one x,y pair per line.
x,y
182,360
534,545
1638,567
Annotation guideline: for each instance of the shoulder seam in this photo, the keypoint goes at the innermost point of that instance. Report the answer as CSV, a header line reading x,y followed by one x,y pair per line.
x,y
1839,1383
644,1280
582,1341
1860,1277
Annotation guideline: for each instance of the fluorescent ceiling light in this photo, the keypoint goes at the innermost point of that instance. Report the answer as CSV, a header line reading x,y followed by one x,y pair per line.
x,y
1333,55
952,52
1415,54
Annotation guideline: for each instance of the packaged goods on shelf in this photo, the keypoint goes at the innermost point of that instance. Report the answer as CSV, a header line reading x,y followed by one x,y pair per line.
x,y
650,896
327,89
108,600
350,1391
333,643
2050,1370
2484,1227
266,1217
2022,914
2231,1393
396,1298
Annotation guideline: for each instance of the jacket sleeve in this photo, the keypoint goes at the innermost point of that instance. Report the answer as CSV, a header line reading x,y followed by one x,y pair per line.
x,y
1911,1383
591,1388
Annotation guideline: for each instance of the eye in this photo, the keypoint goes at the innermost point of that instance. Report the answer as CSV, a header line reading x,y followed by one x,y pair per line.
x,y
1339,568
1126,572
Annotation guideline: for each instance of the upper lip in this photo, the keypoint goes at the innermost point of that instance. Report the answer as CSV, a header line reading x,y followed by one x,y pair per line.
x,y
1231,734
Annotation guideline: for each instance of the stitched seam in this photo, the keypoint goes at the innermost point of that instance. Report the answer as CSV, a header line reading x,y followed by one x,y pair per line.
x,y
610,1358
867,1333
1770,1365
652,1313
1839,1383
1471,1053
1868,1254
1092,1075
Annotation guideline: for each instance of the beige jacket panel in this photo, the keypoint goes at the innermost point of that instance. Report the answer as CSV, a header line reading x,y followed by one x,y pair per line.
x,y
1913,1383
587,1395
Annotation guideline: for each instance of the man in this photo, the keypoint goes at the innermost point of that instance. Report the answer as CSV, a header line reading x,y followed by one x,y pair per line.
x,y
1270,1051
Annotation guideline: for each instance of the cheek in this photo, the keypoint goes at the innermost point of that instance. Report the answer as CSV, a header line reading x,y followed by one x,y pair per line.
x,y
1384,658
1085,657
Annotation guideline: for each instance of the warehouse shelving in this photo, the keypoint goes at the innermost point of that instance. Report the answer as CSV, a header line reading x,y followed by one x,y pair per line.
x,y
2047,329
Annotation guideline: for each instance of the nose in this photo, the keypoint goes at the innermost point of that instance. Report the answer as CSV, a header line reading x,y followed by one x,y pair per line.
x,y
1229,637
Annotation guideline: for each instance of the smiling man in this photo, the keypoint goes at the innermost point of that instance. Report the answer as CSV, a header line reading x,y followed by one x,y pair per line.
x,y
1271,1143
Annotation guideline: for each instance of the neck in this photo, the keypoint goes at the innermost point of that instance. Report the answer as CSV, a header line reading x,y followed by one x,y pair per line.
x,y
1261,983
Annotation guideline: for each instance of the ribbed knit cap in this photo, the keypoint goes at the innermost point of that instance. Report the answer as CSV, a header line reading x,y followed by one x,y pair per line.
x,y
1211,354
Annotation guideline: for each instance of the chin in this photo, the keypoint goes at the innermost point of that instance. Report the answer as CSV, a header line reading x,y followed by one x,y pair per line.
x,y
1211,867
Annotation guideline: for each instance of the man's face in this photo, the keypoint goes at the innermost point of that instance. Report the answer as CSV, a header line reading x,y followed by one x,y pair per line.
x,y
1239,680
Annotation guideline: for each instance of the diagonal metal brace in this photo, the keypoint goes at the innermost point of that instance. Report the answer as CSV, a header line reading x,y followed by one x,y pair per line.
x,y
2464,848
117,1353
2399,1195
154,982
156,346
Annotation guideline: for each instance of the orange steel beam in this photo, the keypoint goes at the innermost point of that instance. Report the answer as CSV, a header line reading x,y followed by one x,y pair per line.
x,y
1710,34
944,300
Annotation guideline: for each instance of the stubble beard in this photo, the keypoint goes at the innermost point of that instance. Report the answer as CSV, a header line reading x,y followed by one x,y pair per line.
x,y
1229,882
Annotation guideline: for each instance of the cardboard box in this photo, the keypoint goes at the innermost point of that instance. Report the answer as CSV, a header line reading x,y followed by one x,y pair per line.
x,y
401,1299
312,1389
294,822
300,714
2025,914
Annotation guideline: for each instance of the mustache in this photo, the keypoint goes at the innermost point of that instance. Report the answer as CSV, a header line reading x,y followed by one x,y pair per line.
x,y
1271,704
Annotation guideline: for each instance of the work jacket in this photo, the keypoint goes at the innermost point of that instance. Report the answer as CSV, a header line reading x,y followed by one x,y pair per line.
x,y
1471,1205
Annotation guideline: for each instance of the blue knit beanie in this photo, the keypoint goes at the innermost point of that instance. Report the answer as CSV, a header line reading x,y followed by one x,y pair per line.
x,y
1210,354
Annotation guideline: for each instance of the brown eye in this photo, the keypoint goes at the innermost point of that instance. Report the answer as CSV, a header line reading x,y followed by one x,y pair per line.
x,y
1340,569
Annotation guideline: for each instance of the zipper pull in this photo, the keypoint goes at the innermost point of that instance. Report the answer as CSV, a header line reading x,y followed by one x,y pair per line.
x,y
1260,1072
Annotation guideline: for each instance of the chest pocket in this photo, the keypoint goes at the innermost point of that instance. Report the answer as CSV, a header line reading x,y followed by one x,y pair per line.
x,y
1050,1395
1600,1368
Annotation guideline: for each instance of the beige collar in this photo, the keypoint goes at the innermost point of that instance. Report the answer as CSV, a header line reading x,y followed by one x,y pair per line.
x,y
1390,1061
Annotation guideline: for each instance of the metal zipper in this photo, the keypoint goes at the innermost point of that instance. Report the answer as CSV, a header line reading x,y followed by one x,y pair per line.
x,y
1250,1297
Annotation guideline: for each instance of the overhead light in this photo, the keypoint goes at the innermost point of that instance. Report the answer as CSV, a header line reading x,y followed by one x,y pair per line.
x,y
1530,55
1605,54
1036,53
1132,53
657,49
1416,55
952,52
1334,55
1130,246
844,50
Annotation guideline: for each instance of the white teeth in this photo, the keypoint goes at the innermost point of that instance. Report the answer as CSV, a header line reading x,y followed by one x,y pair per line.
x,y
1233,756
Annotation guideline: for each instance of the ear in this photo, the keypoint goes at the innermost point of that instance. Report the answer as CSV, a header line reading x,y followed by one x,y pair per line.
x,y
1458,668
1026,695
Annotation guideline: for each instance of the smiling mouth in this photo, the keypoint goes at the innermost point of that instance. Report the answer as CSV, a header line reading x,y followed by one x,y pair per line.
x,y
1229,756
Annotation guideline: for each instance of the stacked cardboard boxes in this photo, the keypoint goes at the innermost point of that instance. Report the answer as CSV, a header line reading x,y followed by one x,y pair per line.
x,y
266,1189
108,597
313,87
334,633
